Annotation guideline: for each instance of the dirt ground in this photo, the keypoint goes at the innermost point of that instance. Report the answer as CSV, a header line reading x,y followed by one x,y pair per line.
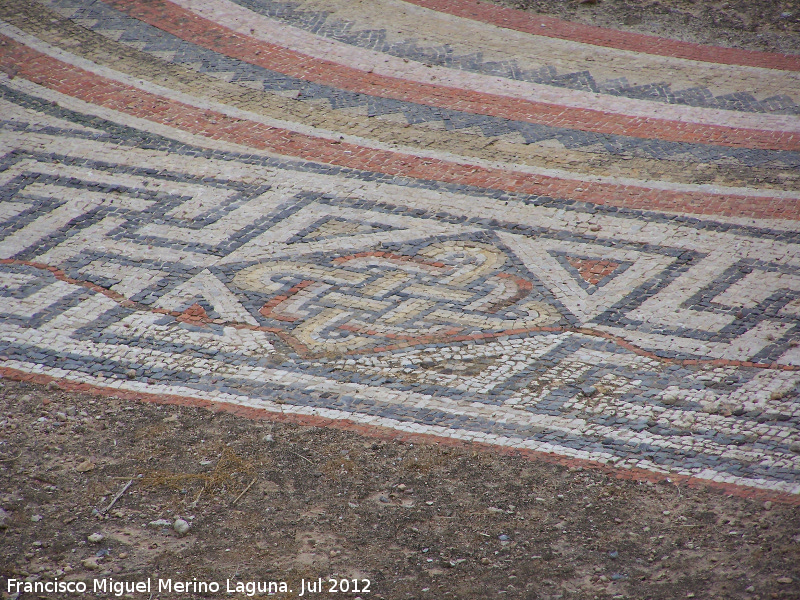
x,y
771,25
281,502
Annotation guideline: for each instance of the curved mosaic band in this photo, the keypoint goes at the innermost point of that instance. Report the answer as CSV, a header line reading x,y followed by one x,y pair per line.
x,y
173,19
635,42
409,123
459,72
76,82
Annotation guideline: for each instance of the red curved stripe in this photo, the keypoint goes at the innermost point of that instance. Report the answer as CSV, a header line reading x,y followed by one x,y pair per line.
x,y
518,20
190,27
95,89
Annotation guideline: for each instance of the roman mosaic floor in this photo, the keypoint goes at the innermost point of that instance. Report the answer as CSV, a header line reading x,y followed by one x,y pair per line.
x,y
430,217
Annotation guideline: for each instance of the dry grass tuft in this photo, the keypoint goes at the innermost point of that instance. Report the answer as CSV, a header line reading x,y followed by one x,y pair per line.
x,y
231,474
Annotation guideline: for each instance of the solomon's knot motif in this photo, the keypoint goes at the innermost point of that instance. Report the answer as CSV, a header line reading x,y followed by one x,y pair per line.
x,y
379,300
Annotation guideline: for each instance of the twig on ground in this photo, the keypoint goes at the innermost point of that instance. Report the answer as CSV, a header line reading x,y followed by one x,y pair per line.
x,y
244,491
42,478
196,500
301,456
117,497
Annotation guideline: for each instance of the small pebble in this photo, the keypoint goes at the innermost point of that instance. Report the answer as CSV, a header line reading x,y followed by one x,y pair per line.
x,y
85,466
96,538
160,523
181,526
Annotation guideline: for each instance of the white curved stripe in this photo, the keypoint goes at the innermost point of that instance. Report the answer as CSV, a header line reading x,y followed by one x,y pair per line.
x,y
256,26
449,157
400,21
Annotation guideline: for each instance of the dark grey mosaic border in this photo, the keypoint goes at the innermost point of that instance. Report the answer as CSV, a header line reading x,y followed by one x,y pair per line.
x,y
107,21
648,392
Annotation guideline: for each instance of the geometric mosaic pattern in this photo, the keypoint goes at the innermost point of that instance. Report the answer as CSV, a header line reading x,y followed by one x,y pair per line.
x,y
110,22
202,221
323,23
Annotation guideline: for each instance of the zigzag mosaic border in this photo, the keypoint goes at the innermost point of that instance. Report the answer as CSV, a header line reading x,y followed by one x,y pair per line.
x,y
106,20
348,32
